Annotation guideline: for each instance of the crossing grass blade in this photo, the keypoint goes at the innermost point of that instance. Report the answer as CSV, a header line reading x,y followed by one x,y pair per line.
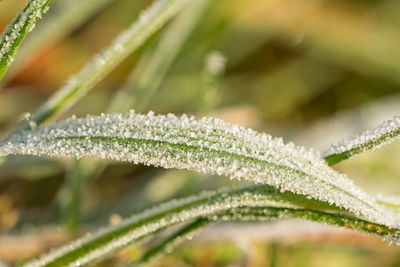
x,y
207,145
246,203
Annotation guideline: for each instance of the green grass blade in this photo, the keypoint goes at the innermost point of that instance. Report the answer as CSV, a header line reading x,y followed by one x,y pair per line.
x,y
384,134
207,145
246,203
15,32
70,15
97,68
71,193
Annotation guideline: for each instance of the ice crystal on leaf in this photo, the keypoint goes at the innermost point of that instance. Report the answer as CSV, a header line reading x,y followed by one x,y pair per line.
x,y
207,145
384,134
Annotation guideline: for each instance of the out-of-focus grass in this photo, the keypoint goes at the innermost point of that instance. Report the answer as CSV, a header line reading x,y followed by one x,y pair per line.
x,y
291,64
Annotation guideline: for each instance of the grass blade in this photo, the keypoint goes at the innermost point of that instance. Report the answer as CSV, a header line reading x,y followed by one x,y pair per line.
x,y
72,14
15,32
384,134
248,203
96,69
173,239
207,145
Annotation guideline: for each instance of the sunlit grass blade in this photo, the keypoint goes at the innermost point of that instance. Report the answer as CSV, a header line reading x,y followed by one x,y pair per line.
x,y
16,31
348,122
207,145
70,15
248,203
96,69
172,240
384,134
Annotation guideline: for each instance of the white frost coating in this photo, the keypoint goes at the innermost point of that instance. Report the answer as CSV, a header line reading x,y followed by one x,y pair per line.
x,y
207,204
391,202
207,145
25,20
384,134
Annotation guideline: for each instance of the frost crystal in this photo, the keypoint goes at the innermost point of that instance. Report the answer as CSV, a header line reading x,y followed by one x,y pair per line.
x,y
22,24
385,133
207,145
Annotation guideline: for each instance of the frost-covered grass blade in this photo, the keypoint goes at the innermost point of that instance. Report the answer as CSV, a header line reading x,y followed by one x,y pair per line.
x,y
70,15
384,134
16,31
247,203
96,69
207,145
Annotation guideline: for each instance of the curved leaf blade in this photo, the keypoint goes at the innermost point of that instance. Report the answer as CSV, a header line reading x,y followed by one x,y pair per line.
x,y
16,31
101,64
207,145
69,16
248,203
385,133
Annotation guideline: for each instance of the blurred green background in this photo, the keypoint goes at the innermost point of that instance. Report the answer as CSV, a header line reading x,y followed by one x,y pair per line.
x,y
311,71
